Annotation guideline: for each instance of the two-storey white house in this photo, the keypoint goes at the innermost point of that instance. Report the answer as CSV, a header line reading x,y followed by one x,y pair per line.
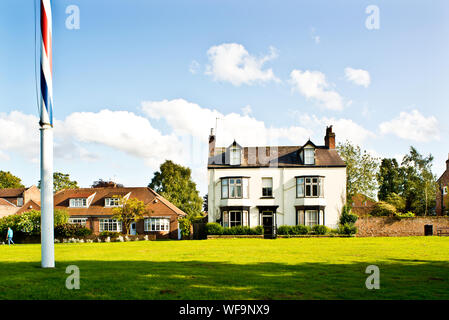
x,y
277,185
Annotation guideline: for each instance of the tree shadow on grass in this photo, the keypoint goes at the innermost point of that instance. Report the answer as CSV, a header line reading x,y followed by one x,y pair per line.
x,y
399,279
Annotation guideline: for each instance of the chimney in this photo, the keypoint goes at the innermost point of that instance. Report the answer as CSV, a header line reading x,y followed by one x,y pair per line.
x,y
329,139
211,143
447,163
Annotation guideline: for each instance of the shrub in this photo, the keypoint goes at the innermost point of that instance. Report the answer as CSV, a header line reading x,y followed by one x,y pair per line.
x,y
401,215
396,200
257,230
185,225
284,230
319,229
110,234
214,228
69,230
300,229
347,228
346,216
382,209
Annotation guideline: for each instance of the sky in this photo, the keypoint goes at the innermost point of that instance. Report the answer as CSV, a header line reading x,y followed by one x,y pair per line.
x,y
138,82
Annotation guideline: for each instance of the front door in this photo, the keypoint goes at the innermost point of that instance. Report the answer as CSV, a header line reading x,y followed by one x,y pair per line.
x,y
269,228
132,229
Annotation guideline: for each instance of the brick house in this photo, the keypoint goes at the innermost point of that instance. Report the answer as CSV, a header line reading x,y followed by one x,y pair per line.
x,y
442,198
92,207
19,200
362,205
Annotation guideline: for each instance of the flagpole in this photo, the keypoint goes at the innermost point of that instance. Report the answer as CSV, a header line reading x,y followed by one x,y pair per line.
x,y
46,134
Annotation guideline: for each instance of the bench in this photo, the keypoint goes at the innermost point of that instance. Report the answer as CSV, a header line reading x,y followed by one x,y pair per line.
x,y
443,231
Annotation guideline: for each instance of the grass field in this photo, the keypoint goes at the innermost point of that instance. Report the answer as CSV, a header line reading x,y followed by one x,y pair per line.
x,y
329,268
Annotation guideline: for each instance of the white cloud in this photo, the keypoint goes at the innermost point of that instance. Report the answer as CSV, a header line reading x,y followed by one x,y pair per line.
x,y
412,126
247,110
187,118
232,63
313,85
194,67
124,131
345,129
358,76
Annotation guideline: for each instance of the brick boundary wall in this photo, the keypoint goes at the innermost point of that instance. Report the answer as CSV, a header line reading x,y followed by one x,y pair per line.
x,y
394,227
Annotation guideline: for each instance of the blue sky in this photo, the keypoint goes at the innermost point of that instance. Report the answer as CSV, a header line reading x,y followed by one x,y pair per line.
x,y
143,81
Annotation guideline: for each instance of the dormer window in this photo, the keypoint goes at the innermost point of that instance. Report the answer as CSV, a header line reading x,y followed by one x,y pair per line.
x,y
111,202
236,155
19,201
78,203
309,156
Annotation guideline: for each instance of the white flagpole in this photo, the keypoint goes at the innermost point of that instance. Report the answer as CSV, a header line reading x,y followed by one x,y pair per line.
x,y
46,132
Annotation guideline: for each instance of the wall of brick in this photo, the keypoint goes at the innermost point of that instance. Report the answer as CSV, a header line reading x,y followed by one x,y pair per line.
x,y
393,227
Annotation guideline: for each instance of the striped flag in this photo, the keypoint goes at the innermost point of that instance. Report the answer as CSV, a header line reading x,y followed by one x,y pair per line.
x,y
46,116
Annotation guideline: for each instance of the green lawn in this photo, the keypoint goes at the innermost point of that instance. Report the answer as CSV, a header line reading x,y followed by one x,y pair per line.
x,y
310,268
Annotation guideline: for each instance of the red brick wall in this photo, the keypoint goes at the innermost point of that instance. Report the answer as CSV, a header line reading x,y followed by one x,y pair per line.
x,y
444,181
393,227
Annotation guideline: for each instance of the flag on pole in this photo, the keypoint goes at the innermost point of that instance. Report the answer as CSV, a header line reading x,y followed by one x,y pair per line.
x,y
46,115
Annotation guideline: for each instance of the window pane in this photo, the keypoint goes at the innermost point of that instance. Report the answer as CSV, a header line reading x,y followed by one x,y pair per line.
x,y
224,189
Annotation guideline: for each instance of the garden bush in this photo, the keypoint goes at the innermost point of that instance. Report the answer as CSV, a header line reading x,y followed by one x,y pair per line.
x,y
319,229
348,229
69,230
383,209
214,228
401,215
110,234
347,216
396,200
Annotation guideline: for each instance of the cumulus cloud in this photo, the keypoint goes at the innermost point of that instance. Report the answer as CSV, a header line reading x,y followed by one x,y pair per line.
x,y
231,62
194,67
359,77
345,129
189,118
412,126
124,131
313,85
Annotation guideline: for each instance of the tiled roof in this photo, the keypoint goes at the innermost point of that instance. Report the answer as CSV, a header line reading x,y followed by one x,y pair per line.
x,y
30,205
4,202
282,156
97,208
9,192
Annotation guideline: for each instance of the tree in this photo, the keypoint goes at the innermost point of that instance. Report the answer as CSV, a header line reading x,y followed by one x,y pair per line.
x,y
361,169
8,180
205,203
129,211
420,185
174,182
61,181
100,183
390,178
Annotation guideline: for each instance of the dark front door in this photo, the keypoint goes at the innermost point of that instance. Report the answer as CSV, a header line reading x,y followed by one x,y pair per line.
x,y
269,228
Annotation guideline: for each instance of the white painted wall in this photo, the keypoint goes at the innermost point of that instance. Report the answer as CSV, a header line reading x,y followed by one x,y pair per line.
x,y
284,192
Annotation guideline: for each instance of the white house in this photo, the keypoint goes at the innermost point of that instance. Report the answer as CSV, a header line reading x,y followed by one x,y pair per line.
x,y
283,185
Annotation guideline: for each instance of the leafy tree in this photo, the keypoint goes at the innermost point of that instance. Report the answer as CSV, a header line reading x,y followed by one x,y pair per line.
x,y
8,180
361,169
420,184
106,184
390,178
129,211
174,182
397,201
61,181
205,202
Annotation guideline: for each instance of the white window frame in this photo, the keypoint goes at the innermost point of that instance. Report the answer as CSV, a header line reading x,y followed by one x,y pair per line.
x,y
241,188
302,184
236,156
80,221
309,156
267,185
157,224
112,202
110,225
445,190
311,221
78,203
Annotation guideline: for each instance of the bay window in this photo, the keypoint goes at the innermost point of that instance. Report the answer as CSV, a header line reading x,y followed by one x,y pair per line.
x,y
234,188
157,224
110,225
309,187
235,218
